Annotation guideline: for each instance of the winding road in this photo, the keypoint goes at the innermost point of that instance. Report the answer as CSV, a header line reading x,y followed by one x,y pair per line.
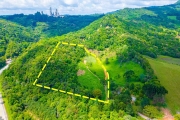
x,y
3,114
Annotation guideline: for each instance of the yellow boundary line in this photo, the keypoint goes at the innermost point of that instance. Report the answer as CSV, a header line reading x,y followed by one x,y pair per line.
x,y
70,93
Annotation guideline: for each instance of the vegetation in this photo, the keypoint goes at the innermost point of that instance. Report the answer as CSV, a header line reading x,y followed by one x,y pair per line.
x,y
168,75
92,79
177,117
152,111
119,39
14,39
53,26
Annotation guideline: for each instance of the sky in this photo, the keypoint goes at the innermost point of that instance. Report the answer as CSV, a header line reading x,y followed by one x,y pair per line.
x,y
74,7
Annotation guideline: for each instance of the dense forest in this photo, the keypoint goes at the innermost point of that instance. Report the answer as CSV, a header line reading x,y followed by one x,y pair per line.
x,y
15,36
53,26
14,39
122,38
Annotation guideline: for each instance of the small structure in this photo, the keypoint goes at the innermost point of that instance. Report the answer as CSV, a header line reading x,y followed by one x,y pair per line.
x,y
133,98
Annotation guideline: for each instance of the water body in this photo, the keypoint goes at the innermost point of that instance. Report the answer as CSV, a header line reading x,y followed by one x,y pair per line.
x,y
3,114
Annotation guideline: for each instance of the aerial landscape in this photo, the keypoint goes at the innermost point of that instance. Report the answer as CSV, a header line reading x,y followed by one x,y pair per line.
x,y
89,60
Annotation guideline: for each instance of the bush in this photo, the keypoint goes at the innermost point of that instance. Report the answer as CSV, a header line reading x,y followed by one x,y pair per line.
x,y
151,111
177,117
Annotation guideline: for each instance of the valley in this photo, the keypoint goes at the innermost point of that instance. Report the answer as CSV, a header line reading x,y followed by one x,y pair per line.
x,y
119,65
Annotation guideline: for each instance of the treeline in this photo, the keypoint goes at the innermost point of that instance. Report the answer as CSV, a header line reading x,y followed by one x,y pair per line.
x,y
56,25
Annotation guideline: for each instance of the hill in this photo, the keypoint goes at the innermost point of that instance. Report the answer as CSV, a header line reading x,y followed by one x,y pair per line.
x,y
119,39
14,39
19,30
53,26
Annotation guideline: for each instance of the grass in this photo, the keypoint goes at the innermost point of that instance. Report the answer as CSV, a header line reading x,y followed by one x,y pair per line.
x,y
116,70
169,76
89,79
95,67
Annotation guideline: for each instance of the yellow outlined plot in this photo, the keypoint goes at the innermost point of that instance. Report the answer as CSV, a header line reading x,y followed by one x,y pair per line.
x,y
70,93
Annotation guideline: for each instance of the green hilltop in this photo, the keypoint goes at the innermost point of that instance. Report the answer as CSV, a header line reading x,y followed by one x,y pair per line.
x,y
120,39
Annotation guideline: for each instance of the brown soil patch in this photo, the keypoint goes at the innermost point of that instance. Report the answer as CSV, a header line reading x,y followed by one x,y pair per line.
x,y
80,72
167,114
178,36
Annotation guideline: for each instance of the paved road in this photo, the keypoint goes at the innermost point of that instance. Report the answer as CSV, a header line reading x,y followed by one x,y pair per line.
x,y
3,114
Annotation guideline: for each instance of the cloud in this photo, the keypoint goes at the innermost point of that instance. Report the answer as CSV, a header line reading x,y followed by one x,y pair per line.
x,y
75,6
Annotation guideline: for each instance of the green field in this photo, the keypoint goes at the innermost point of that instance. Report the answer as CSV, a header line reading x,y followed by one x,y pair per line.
x,y
169,75
88,79
92,76
116,70
95,67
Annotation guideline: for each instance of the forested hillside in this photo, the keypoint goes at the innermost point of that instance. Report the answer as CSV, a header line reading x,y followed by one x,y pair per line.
x,y
14,39
119,39
15,36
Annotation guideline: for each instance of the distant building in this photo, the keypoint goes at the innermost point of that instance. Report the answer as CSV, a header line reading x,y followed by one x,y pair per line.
x,y
54,14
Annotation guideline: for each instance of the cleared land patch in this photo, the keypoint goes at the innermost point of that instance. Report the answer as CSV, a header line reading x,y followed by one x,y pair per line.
x,y
80,72
93,76
64,72
169,76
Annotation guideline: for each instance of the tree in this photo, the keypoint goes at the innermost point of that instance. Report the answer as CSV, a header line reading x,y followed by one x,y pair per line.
x,y
153,88
97,93
2,62
144,102
129,75
107,61
129,109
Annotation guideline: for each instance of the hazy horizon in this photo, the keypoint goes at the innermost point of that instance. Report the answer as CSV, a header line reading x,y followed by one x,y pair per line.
x,y
74,7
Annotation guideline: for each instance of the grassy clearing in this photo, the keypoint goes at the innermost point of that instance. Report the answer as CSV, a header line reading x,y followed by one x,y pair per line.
x,y
91,78
95,67
169,75
88,79
116,70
